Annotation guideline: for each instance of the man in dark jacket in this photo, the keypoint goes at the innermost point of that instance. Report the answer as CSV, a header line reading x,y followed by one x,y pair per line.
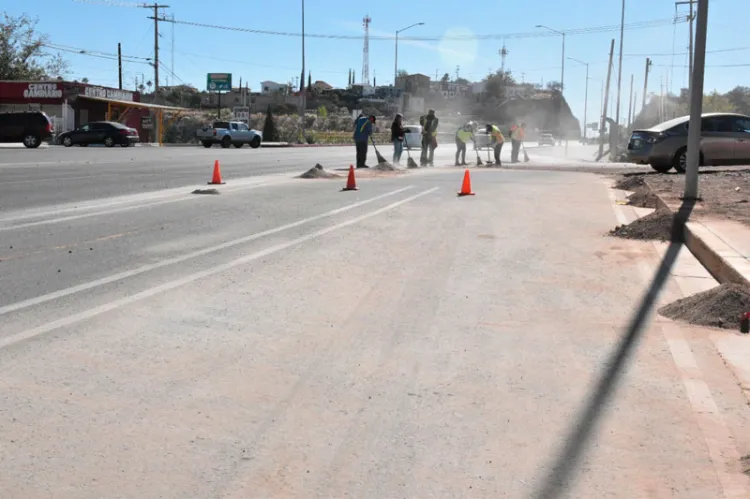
x,y
363,128
429,139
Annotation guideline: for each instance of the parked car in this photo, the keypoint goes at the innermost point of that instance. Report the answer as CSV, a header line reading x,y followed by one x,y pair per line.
x,y
413,136
229,133
29,127
725,140
546,139
109,133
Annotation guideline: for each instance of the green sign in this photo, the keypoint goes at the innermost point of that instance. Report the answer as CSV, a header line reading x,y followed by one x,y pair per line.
x,y
219,82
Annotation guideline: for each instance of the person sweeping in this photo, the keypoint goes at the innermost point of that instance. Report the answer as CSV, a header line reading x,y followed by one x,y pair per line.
x,y
516,136
463,136
497,141
362,131
397,137
429,139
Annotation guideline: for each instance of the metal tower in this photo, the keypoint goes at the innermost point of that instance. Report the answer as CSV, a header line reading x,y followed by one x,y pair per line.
x,y
366,52
503,54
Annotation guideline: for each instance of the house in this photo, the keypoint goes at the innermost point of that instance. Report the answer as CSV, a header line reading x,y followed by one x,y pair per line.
x,y
417,84
269,87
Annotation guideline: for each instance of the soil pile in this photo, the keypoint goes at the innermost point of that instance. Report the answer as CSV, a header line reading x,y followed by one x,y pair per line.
x,y
317,171
629,182
656,225
385,167
721,306
642,197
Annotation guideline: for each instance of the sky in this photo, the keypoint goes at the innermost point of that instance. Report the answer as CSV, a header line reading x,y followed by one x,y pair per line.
x,y
189,52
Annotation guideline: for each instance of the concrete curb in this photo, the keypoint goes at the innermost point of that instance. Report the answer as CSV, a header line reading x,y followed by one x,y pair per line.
x,y
721,260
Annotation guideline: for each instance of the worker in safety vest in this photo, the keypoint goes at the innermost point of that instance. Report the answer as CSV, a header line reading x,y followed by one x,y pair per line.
x,y
429,139
496,141
517,134
463,135
363,128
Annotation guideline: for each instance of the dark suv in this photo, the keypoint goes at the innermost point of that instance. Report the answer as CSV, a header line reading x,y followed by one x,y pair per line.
x,y
29,127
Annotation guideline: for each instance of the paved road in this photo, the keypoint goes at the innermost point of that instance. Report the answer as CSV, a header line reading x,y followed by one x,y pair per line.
x,y
285,339
57,175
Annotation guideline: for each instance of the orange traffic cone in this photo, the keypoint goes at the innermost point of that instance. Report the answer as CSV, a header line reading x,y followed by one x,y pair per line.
x,y
466,186
216,179
351,183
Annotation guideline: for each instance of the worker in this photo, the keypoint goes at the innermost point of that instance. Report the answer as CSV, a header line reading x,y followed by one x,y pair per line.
x,y
429,139
463,135
363,129
397,137
516,137
496,141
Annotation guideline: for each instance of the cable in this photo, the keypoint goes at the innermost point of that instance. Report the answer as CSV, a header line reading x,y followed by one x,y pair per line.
x,y
530,34
96,53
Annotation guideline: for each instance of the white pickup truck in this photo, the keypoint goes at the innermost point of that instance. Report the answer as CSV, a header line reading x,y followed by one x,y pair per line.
x,y
229,133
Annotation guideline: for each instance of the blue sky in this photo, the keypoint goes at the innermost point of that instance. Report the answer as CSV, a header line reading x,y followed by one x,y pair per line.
x,y
254,57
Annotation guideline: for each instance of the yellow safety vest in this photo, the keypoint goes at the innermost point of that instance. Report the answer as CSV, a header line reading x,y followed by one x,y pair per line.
x,y
517,133
464,135
497,134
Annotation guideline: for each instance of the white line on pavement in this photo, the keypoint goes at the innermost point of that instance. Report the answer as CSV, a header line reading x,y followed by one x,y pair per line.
x,y
14,307
168,286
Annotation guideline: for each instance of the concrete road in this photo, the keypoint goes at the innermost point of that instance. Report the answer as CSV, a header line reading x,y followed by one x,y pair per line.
x,y
285,339
57,175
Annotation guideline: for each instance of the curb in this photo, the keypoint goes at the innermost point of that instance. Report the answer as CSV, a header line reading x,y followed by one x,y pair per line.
x,y
698,239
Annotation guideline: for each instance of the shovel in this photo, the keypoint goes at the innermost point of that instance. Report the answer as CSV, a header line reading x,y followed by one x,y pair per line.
x,y
410,163
380,157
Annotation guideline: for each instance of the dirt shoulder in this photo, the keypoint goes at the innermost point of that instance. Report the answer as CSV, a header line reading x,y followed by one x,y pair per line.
x,y
725,193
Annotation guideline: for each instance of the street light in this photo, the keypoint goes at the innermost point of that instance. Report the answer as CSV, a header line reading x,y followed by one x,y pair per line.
x,y
302,103
562,74
395,66
585,98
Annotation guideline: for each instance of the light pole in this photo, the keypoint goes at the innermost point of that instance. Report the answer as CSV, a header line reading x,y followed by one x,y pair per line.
x,y
585,98
302,103
395,65
562,74
696,103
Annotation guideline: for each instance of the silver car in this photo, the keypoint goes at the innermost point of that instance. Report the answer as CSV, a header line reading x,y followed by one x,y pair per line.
x,y
725,140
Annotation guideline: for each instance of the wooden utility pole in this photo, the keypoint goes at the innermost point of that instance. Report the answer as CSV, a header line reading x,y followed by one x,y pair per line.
x,y
645,83
119,64
156,19
630,102
606,98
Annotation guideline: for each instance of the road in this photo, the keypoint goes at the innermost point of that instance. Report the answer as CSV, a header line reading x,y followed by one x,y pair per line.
x,y
286,339
57,175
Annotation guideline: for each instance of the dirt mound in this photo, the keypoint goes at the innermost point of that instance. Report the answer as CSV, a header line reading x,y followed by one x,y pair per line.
x,y
718,307
643,198
656,225
385,167
317,171
629,182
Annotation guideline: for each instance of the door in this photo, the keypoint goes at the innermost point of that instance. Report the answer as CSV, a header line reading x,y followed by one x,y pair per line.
x,y
80,135
98,132
742,146
243,133
12,126
717,139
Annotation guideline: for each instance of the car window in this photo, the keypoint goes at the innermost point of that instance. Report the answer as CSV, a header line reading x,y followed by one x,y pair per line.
x,y
221,124
717,124
742,125
85,128
99,126
243,127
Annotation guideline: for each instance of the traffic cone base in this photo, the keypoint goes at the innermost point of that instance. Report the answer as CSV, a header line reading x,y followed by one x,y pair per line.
x,y
351,182
466,185
216,178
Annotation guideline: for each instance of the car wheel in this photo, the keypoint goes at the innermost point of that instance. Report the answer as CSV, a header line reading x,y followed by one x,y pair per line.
x,y
226,142
31,141
660,167
207,144
679,162
239,145
67,142
255,143
109,142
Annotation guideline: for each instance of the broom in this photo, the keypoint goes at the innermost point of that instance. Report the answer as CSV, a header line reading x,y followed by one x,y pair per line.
x,y
380,157
410,163
525,154
479,160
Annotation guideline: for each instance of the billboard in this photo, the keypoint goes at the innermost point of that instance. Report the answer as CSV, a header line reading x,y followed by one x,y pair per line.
x,y
219,82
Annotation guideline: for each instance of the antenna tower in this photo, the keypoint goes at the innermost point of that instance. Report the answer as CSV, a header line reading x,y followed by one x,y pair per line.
x,y
366,52
503,55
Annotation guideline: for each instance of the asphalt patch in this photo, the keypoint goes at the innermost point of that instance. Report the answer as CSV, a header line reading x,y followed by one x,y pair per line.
x,y
205,191
630,182
656,225
317,171
642,197
719,307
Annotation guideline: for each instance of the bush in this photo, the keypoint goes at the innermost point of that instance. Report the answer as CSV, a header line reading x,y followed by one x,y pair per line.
x,y
270,133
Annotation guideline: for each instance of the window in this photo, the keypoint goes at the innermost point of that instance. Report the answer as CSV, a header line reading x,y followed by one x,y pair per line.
x,y
99,126
717,124
85,128
243,127
742,125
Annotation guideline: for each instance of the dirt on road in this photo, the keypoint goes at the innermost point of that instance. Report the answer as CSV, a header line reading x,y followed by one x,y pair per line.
x,y
718,307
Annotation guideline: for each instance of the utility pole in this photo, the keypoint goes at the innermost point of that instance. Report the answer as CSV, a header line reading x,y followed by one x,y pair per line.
x,y
619,69
645,83
606,97
696,103
630,102
119,64
302,88
691,18
156,19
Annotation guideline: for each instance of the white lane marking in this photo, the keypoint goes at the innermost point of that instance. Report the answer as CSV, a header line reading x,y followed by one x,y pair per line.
x,y
14,307
168,286
721,447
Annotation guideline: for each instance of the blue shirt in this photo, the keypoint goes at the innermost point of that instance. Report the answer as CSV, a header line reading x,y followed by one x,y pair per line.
x,y
362,129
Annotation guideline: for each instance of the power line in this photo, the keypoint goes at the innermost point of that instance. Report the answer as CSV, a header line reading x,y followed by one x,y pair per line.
x,y
531,34
95,53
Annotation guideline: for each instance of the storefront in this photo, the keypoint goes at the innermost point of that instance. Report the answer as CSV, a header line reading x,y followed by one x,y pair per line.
x,y
73,104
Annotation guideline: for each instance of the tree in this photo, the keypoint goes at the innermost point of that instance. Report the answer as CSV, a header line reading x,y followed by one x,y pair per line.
x,y
309,81
463,81
495,84
22,55
401,73
84,80
739,97
717,103
446,78
555,86
270,132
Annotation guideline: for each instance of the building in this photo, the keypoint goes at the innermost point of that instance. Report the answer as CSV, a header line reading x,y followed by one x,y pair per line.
x,y
269,87
321,86
416,84
73,104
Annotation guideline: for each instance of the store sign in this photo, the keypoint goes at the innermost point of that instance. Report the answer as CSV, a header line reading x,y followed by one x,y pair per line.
x,y
242,114
108,93
42,91
146,123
